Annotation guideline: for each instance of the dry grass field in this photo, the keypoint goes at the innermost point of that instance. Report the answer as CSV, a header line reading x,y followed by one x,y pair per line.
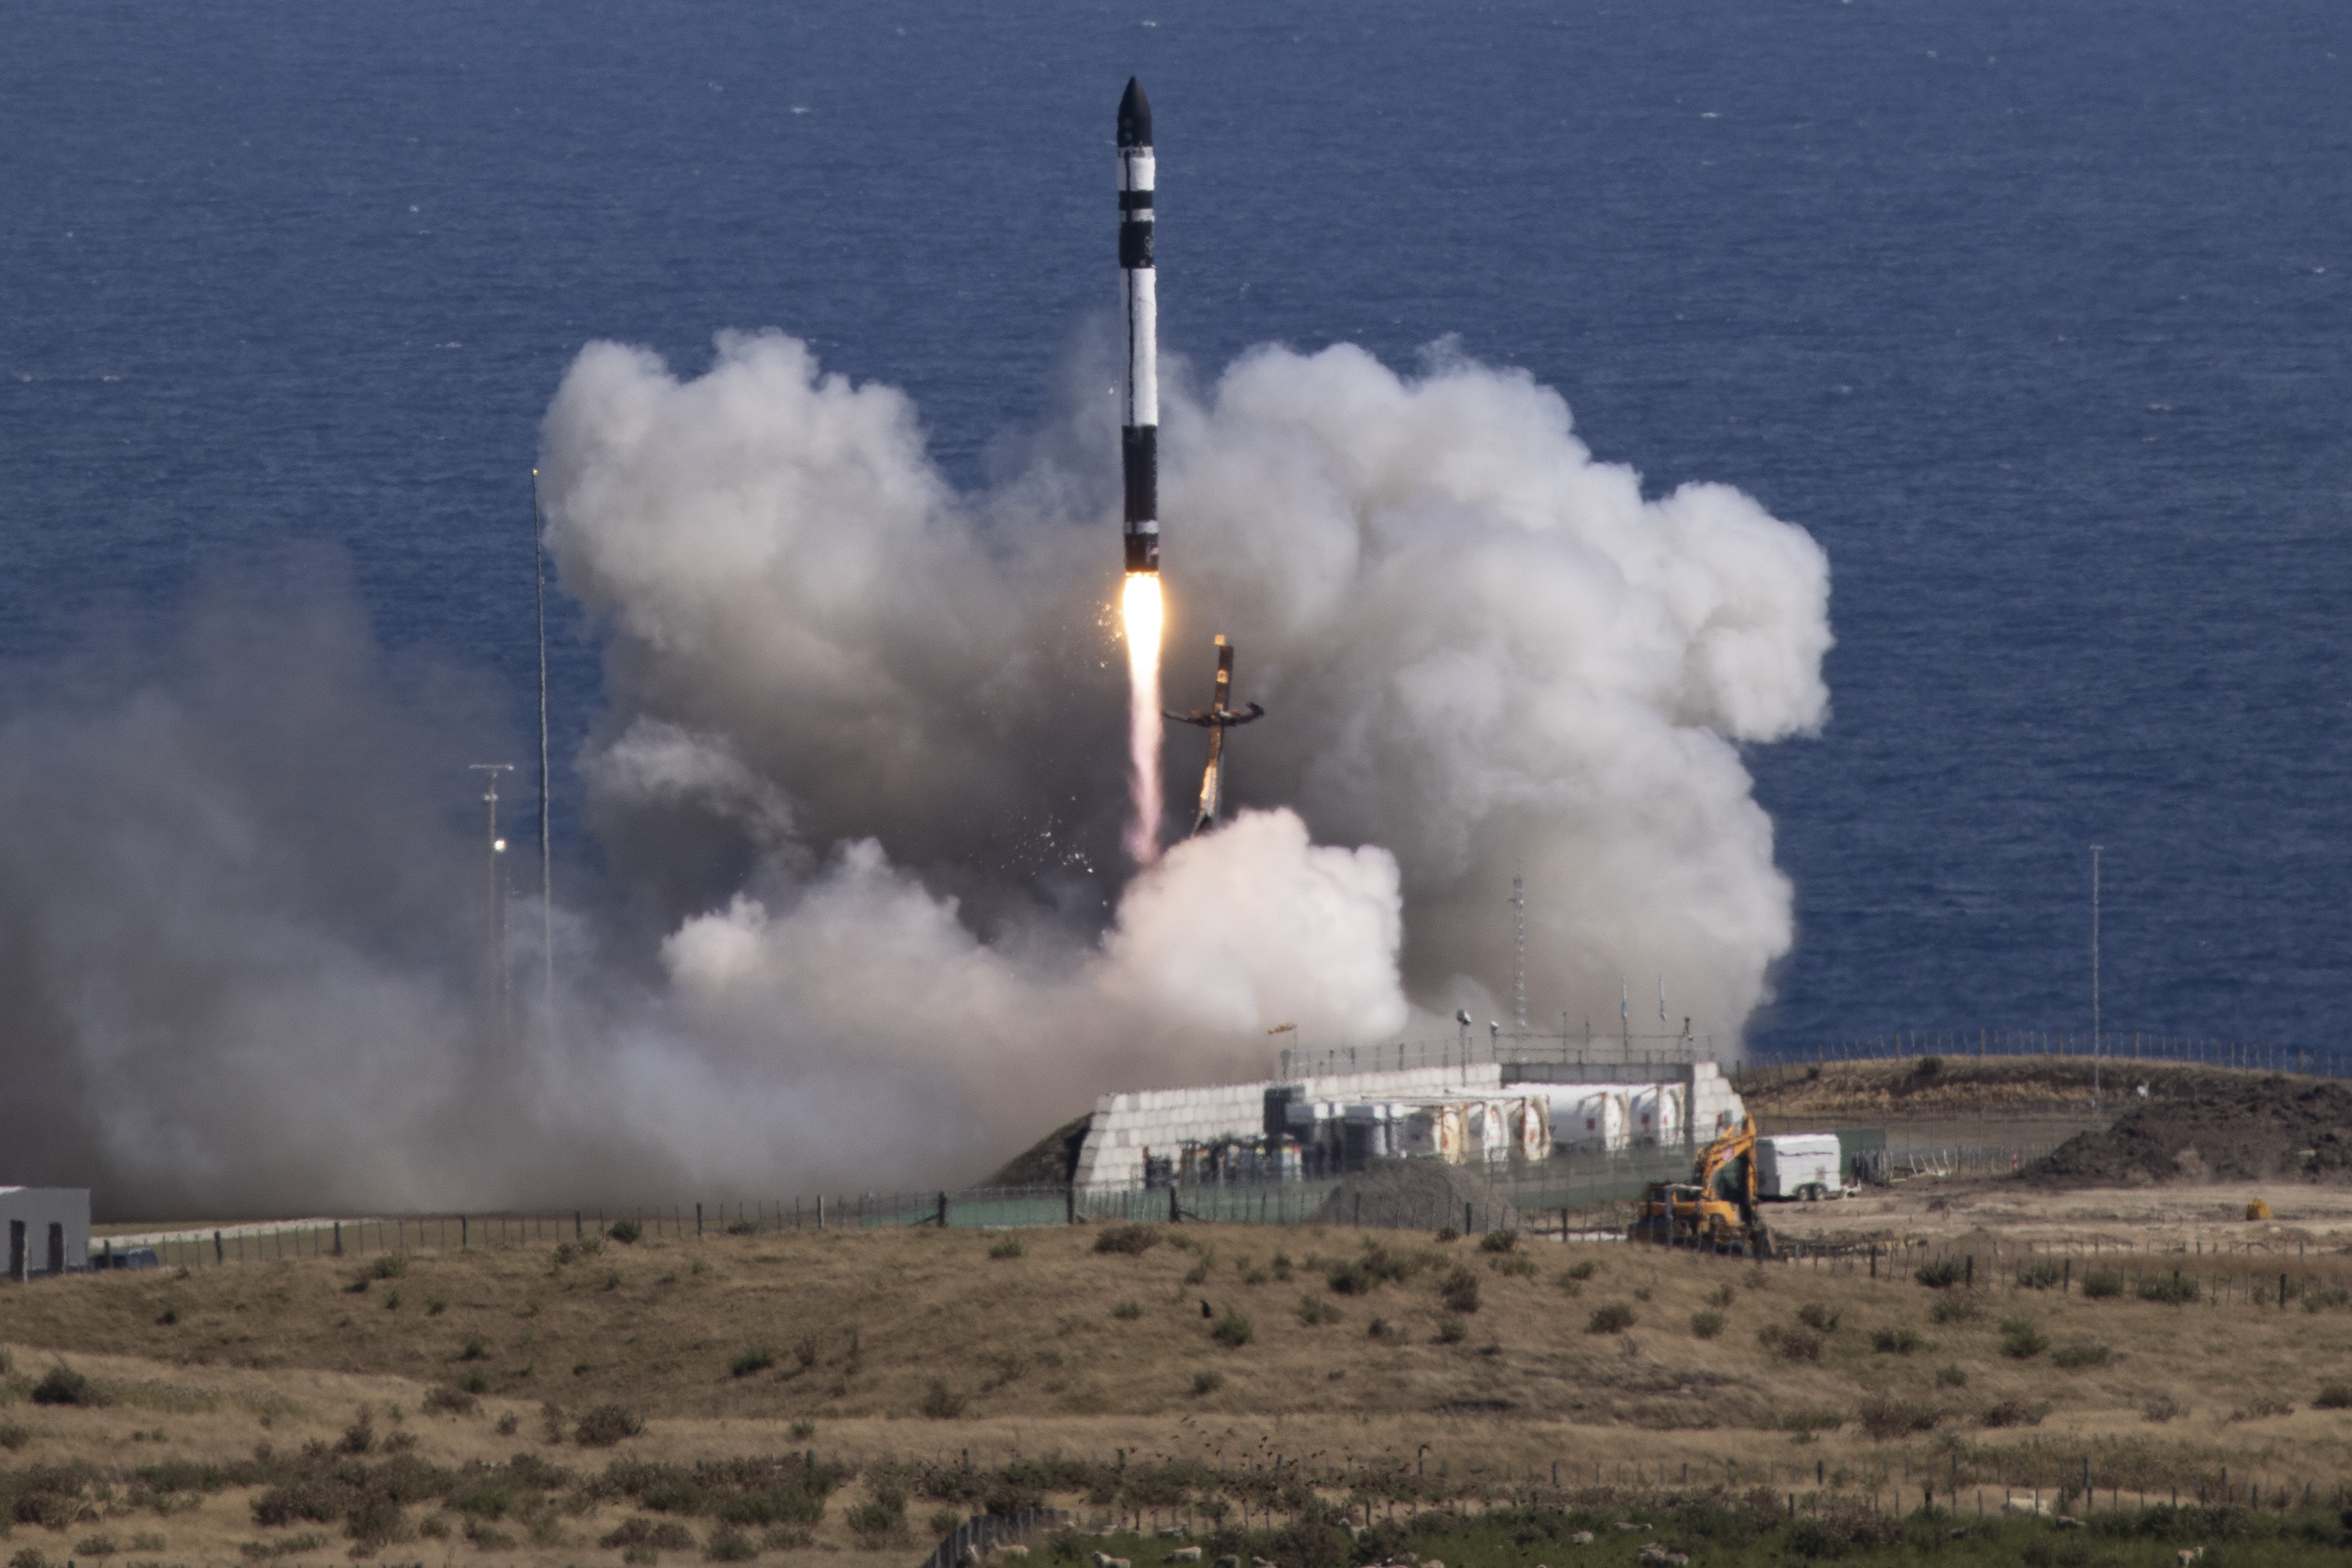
x,y
1385,1368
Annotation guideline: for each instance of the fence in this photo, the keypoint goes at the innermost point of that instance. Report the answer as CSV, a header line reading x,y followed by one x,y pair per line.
x,y
2117,1047
1570,1184
1626,1053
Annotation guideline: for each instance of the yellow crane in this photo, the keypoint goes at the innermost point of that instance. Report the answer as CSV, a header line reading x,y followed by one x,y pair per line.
x,y
1715,1209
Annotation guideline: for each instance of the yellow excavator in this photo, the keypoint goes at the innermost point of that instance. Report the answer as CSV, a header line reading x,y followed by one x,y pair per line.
x,y
1715,1209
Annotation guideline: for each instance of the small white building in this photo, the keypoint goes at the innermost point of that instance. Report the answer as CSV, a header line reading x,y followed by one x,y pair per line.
x,y
49,1230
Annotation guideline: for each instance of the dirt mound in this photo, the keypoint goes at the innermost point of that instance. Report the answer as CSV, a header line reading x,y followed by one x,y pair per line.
x,y
2256,1129
1419,1194
1049,1163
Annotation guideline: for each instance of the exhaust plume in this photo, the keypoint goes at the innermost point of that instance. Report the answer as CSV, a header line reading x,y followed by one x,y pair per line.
x,y
860,790
1139,616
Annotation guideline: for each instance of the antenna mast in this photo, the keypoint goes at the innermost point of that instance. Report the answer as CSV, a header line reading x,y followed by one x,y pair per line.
x,y
495,957
1519,955
546,859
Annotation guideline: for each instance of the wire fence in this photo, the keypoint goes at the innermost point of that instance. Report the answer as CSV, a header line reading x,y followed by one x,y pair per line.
x,y
2110,1045
1569,1185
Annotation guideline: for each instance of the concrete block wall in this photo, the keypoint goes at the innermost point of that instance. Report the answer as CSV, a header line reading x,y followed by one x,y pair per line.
x,y
1163,1119
1124,1126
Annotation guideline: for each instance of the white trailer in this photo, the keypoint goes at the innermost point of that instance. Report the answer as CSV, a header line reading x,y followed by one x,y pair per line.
x,y
1798,1165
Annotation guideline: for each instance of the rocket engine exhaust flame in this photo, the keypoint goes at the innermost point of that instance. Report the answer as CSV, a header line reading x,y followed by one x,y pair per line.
x,y
1140,618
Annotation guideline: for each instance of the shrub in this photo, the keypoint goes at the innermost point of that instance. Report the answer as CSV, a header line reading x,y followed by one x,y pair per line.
x,y
603,1426
1233,1330
1951,1377
730,1546
1840,1529
784,1538
2172,1289
880,1519
1721,1297
2333,1396
941,1403
1818,1317
1009,1247
1499,1241
805,1351
1378,1328
2163,1408
626,1231
359,1438
473,1349
1133,1240
1790,1345
1313,1310
1517,1267
14,1435
1614,1318
389,1266
2101,1284
759,1358
2074,1358
2040,1277
61,1384
2262,1408
666,1536
1893,1341
1929,1066
1459,1290
1941,1275
1449,1235
2013,1412
1706,1324
96,1546
474,1383
1205,1382
455,1401
1452,1331
1883,1417
1955,1309
2020,1339
1810,1421
1582,1271
1127,1311
31,1557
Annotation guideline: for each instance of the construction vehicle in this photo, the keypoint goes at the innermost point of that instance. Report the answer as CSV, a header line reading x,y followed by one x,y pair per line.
x,y
1715,1209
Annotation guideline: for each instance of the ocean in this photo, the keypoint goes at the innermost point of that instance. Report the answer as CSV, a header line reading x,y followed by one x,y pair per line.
x,y
2036,316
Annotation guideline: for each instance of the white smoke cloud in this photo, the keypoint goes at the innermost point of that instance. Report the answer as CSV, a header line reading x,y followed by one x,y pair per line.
x,y
1484,650
858,792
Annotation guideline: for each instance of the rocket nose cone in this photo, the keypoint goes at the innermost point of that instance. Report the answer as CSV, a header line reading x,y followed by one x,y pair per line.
x,y
1134,116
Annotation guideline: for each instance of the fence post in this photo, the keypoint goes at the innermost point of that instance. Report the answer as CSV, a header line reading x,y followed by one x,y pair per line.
x,y
465,1232
220,1251
579,1227
698,1219
943,1211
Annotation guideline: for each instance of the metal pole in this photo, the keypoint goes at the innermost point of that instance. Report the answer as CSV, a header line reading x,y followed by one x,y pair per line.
x,y
495,959
2094,976
546,859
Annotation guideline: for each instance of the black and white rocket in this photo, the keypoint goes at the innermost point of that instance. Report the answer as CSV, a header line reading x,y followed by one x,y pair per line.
x,y
1139,436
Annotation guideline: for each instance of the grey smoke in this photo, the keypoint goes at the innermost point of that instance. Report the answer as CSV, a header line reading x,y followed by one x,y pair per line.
x,y
856,791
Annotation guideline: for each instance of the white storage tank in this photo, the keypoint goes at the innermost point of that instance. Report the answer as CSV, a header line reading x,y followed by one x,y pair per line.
x,y
1654,1114
1589,1121
1798,1165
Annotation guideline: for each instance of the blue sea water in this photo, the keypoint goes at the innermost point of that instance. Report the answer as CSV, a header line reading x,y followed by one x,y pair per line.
x,y
2035,315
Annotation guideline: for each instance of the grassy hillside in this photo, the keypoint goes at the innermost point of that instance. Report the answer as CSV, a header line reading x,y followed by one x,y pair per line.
x,y
1364,1357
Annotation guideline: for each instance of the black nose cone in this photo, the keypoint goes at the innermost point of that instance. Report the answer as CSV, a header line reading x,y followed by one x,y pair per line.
x,y
1134,116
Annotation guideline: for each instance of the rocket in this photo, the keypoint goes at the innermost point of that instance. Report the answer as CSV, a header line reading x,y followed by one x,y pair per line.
x,y
1139,435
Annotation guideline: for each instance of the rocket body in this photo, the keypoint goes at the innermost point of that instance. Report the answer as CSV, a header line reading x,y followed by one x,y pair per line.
x,y
1139,436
